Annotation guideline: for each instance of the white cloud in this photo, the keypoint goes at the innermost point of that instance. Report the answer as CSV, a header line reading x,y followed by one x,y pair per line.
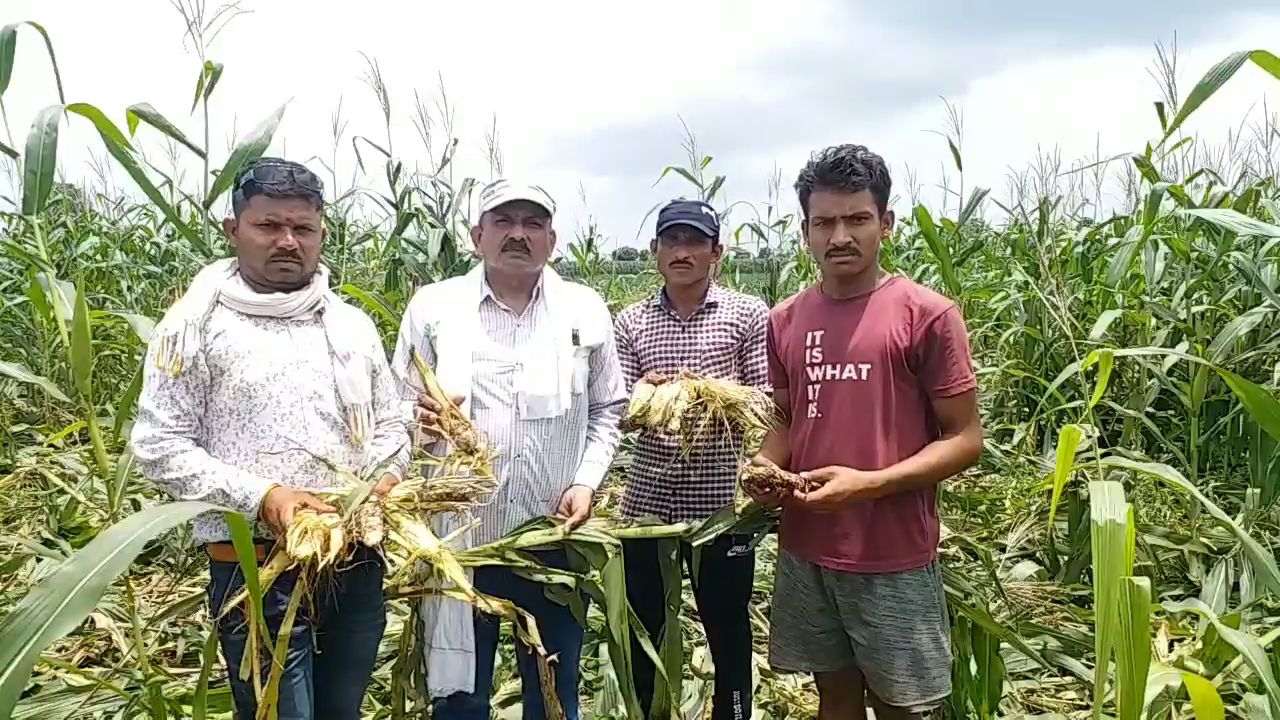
x,y
555,71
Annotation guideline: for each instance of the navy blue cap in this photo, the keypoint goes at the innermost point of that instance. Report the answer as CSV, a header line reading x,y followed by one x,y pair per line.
x,y
694,213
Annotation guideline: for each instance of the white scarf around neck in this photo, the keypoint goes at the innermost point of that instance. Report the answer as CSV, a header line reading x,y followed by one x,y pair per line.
x,y
180,334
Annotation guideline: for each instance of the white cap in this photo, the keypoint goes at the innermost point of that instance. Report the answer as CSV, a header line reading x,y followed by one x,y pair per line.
x,y
504,191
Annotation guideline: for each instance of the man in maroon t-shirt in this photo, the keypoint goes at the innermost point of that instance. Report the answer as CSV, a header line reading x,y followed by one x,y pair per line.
x,y
873,373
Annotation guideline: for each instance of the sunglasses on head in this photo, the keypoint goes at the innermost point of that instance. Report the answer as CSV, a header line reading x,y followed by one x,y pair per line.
x,y
278,176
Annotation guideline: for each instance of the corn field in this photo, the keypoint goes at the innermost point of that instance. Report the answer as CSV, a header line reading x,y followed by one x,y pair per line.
x,y
1111,555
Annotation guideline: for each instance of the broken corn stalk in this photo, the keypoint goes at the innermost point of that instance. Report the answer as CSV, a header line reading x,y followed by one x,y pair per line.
x,y
467,450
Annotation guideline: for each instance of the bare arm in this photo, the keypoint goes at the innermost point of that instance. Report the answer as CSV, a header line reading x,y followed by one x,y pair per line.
x,y
947,376
956,449
776,447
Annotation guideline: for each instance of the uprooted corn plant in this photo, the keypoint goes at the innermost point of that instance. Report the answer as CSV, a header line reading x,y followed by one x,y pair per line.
x,y
1111,554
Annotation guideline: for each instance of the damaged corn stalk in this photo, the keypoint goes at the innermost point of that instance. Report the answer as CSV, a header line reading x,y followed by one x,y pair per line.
x,y
468,453
397,525
696,409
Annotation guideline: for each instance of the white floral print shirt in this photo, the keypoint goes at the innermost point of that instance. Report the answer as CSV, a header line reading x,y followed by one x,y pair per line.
x,y
259,406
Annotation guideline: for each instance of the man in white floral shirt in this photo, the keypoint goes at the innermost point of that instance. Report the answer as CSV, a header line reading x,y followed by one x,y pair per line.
x,y
256,380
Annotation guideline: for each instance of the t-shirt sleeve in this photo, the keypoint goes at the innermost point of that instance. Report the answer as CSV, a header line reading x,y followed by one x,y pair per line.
x,y
777,371
945,360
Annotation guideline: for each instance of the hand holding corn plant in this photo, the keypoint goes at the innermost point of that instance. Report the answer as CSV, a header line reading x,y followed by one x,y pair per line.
x,y
698,409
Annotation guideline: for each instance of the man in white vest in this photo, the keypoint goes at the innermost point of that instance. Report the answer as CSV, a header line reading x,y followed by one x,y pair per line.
x,y
530,358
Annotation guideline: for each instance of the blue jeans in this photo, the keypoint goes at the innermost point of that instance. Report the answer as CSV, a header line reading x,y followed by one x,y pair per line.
x,y
561,636
333,644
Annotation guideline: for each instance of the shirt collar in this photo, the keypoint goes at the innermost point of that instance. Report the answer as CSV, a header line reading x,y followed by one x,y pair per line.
x,y
715,294
486,291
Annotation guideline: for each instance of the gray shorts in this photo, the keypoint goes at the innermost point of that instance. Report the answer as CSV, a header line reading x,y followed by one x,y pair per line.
x,y
893,626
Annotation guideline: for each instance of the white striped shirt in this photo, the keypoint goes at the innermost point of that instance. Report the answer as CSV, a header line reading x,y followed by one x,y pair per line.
x,y
536,459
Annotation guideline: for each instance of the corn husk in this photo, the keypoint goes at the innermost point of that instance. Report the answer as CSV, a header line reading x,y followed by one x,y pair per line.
x,y
698,409
468,452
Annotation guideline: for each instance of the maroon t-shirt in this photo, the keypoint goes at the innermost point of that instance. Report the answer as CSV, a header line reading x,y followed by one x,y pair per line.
x,y
860,373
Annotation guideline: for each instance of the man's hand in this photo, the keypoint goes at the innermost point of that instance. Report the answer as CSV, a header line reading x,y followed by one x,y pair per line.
x,y
427,412
836,487
385,484
772,500
575,505
281,504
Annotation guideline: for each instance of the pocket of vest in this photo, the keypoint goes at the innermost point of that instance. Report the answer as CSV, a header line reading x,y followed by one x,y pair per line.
x,y
581,369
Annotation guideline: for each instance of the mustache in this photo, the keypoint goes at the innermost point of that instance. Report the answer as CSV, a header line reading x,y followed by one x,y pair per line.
x,y
680,263
517,245
843,251
285,255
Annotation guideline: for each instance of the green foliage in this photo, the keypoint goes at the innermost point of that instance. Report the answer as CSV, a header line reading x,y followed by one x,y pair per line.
x,y
1118,534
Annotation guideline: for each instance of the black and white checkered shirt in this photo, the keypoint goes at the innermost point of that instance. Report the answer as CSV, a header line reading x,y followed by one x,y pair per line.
x,y
724,338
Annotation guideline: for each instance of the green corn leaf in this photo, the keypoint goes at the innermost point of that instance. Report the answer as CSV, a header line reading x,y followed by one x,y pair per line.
x,y
372,301
64,598
200,81
939,248
208,657
1224,344
1217,76
1250,271
1122,259
1109,517
127,402
143,112
1133,647
250,149
1235,221
206,82
119,148
214,71
1263,561
8,53
242,541
142,325
1261,404
991,670
955,155
41,160
1204,697
1069,438
618,616
1103,323
10,152
1205,700
82,349
1250,650
1106,360
667,688
20,373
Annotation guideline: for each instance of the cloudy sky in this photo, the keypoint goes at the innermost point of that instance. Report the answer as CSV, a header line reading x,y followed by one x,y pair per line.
x,y
592,98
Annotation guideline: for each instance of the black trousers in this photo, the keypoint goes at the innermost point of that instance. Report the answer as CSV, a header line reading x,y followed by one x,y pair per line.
x,y
722,589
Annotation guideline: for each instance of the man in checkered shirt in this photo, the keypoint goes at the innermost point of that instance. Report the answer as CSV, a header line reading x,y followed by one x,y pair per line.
x,y
692,324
